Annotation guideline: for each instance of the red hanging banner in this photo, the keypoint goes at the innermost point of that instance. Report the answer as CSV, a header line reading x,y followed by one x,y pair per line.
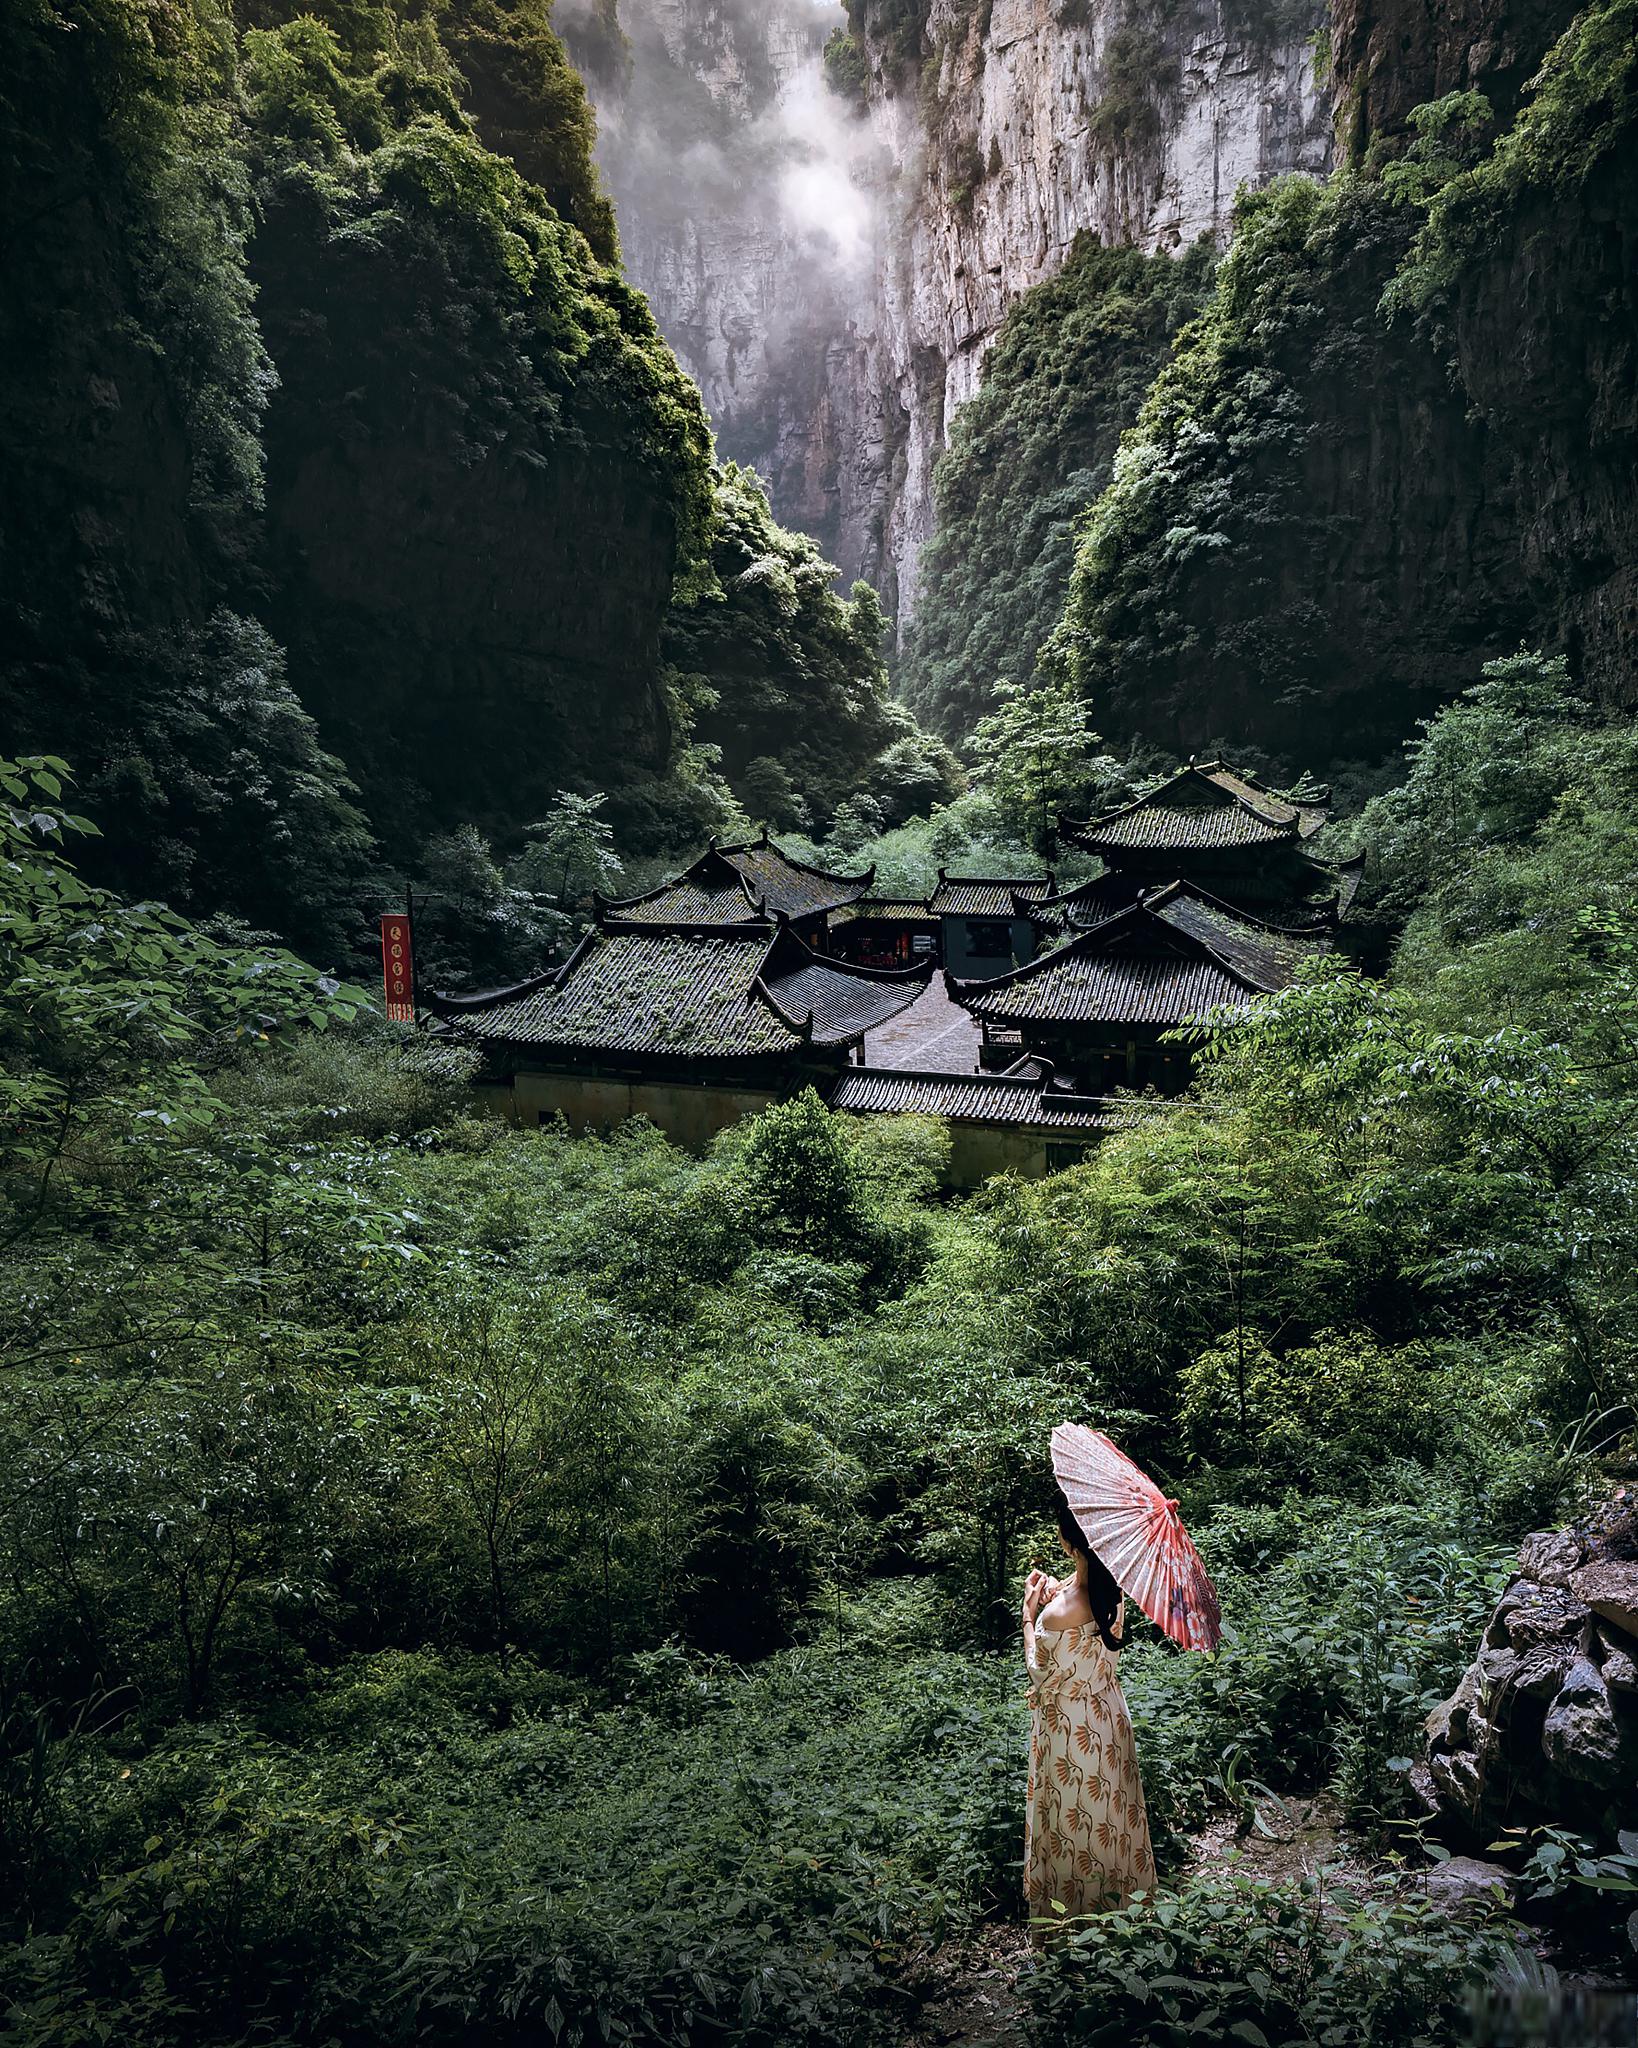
x,y
398,967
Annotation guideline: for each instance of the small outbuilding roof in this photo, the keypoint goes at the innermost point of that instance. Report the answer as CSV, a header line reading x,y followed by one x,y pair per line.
x,y
886,910
744,884
704,992
971,1098
987,895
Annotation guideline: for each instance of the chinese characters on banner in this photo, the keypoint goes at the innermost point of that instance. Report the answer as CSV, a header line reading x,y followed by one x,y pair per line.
x,y
397,967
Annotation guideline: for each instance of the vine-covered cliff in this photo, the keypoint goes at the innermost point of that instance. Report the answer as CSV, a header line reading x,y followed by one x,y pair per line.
x,y
1404,433
350,486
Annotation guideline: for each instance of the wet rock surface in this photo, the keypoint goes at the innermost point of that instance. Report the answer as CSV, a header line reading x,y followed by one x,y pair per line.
x,y
1462,1883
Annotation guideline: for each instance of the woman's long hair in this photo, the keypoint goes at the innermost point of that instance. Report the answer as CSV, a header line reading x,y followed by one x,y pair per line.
x,y
1101,1589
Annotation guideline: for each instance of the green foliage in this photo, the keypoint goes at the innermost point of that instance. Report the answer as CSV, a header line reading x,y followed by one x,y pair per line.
x,y
530,105
1229,1961
386,1487
746,1855
789,672
1207,482
1447,135
1483,776
897,28
1026,456
570,854
367,228
847,68
1037,760
1326,1412
810,1184
1581,111
110,1005
1140,73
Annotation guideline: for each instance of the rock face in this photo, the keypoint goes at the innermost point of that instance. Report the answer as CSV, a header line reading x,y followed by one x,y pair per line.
x,y
1391,55
1544,1724
833,273
1540,335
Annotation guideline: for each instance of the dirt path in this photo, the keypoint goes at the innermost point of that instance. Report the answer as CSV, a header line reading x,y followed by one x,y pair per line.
x,y
967,1993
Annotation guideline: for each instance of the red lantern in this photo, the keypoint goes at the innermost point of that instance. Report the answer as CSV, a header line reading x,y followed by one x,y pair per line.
x,y
398,967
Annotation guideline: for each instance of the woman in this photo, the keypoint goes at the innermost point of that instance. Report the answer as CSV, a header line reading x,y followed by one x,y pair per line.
x,y
1086,1835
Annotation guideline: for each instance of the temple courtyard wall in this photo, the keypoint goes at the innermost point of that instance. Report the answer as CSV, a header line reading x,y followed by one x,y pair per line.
x,y
690,1113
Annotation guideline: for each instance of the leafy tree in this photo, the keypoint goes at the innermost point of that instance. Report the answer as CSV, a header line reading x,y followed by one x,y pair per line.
x,y
1482,776
769,794
569,854
1037,757
111,1006
802,1179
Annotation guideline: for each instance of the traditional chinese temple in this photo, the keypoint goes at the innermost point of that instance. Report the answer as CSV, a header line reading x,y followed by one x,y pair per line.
x,y
1209,894
753,975
1222,830
691,1025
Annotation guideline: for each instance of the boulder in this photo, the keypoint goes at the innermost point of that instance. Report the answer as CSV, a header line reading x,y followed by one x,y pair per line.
x,y
1497,1670
1543,1670
1542,1614
1459,1777
1424,1791
1464,1883
1609,1586
1582,1736
1544,1724
1618,1660
1446,1726
1551,1556
1495,1635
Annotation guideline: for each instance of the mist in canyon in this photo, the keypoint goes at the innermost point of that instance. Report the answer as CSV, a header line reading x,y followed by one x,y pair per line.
x,y
833,269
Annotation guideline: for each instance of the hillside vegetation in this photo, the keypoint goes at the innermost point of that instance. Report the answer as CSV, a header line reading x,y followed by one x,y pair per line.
x,y
1397,439
463,1583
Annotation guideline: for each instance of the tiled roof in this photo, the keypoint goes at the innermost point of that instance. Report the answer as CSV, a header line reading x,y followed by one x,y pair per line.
x,y
1176,953
1267,954
1079,985
908,910
844,1002
968,1098
735,993
1196,828
719,897
985,895
739,885
1203,808
787,886
1091,902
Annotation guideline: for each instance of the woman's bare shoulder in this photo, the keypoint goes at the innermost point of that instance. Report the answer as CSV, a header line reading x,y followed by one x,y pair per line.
x,y
1068,1608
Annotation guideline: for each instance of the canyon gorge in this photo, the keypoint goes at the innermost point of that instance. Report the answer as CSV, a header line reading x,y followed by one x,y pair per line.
x,y
831,255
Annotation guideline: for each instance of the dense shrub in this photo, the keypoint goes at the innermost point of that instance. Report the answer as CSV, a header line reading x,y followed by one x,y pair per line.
x,y
1236,1962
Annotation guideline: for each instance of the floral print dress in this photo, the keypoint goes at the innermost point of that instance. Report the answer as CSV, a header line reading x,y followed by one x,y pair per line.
x,y
1086,1835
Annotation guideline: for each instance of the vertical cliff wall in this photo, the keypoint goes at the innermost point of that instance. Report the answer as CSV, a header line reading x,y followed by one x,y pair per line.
x,y
833,266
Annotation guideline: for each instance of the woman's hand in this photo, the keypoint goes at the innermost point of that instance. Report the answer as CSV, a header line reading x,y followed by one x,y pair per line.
x,y
1037,1591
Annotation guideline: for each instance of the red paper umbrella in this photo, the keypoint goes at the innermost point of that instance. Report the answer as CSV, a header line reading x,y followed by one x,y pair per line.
x,y
1134,1528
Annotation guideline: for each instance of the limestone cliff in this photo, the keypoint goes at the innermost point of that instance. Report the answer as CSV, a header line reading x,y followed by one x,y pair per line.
x,y
833,269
